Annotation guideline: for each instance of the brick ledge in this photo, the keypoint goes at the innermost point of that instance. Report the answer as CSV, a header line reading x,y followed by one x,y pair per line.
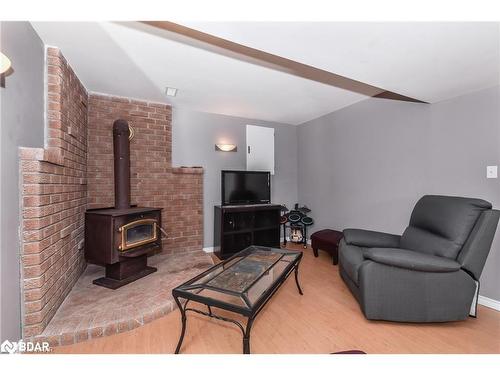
x,y
187,170
50,155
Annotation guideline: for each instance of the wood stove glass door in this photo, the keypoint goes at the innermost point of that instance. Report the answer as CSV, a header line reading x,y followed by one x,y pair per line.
x,y
137,233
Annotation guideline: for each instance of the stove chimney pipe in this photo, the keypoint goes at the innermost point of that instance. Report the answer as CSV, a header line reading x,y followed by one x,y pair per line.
x,y
121,150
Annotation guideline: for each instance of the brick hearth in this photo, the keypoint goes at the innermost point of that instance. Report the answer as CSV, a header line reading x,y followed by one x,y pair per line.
x,y
91,311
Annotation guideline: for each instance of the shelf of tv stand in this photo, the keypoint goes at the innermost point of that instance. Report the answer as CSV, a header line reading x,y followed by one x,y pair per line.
x,y
247,230
237,227
269,227
239,231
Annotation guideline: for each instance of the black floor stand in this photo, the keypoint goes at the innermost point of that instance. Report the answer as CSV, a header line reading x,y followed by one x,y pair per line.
x,y
304,233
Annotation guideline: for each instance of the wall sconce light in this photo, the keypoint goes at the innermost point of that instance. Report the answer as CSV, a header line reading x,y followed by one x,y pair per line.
x,y
226,147
4,63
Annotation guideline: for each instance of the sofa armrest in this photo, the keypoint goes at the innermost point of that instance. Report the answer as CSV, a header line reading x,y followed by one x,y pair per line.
x,y
368,238
411,260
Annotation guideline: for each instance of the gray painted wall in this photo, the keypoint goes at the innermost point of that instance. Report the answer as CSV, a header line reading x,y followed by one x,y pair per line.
x,y
194,135
364,160
366,165
464,139
22,124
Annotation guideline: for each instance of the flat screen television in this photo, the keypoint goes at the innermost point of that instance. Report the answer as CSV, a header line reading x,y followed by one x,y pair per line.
x,y
245,187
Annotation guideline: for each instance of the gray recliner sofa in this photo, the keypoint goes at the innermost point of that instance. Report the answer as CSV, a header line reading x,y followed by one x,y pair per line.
x,y
430,273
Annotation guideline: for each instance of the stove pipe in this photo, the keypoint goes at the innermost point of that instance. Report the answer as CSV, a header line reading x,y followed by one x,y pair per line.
x,y
121,150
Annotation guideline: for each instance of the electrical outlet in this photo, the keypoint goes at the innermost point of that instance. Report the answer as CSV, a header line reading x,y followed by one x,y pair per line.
x,y
492,171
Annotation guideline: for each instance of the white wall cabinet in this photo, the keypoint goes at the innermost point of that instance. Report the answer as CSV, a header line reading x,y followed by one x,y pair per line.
x,y
260,148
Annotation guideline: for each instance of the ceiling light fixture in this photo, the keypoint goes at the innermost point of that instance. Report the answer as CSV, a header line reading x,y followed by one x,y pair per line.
x,y
4,63
226,147
171,91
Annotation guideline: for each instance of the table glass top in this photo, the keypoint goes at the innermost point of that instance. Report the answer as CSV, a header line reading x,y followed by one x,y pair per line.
x,y
242,279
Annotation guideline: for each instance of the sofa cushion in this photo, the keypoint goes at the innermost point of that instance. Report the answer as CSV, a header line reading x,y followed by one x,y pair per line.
x,y
369,238
440,225
350,259
411,260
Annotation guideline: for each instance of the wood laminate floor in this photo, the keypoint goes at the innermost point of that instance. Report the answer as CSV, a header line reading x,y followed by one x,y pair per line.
x,y
324,320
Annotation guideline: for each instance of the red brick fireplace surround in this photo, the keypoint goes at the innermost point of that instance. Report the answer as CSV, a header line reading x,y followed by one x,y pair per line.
x,y
74,172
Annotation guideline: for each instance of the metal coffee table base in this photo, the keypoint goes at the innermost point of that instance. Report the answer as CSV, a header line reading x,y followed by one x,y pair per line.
x,y
244,330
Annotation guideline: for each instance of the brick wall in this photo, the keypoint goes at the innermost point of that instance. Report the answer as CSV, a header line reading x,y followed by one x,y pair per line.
x,y
54,198
75,172
154,183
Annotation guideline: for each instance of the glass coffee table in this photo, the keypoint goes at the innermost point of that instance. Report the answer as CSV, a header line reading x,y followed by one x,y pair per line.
x,y
242,284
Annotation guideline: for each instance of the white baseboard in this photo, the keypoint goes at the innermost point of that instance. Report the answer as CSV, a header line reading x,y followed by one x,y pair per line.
x,y
489,302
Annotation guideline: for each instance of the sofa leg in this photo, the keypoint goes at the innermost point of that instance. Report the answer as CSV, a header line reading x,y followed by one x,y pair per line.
x,y
315,251
473,310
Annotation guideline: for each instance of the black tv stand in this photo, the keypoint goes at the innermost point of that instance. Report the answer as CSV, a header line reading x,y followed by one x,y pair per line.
x,y
237,227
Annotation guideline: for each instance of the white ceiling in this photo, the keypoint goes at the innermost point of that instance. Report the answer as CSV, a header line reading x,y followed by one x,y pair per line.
x,y
115,59
430,62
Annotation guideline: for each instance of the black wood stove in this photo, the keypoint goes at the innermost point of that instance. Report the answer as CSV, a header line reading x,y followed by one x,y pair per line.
x,y
120,238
